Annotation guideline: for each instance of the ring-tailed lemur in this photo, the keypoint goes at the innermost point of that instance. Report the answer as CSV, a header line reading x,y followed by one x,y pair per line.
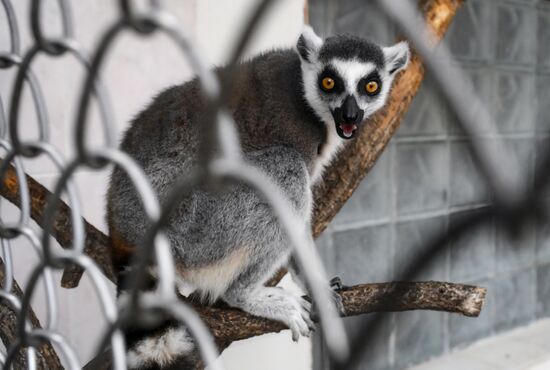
x,y
293,110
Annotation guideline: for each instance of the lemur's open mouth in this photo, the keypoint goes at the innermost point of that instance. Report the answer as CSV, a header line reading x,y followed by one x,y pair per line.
x,y
347,118
346,130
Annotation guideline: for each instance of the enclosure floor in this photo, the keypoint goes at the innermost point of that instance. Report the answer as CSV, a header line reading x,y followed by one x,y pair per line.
x,y
525,348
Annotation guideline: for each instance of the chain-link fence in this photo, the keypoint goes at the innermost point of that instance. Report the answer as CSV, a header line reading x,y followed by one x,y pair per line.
x,y
514,202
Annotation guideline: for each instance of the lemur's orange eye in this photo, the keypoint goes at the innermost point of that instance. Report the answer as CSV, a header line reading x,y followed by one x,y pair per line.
x,y
371,87
328,83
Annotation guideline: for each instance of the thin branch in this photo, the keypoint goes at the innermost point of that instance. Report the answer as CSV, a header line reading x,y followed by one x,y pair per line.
x,y
46,356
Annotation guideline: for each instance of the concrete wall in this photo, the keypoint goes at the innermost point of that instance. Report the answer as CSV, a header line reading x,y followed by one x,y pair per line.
x,y
426,180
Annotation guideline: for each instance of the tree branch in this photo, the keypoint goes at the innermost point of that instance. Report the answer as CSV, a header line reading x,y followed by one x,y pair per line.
x,y
46,356
229,324
96,243
345,173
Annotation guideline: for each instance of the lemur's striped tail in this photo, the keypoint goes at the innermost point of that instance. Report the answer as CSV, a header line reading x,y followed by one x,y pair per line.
x,y
160,350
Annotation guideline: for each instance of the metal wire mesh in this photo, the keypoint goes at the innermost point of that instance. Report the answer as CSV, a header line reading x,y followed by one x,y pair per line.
x,y
230,166
514,201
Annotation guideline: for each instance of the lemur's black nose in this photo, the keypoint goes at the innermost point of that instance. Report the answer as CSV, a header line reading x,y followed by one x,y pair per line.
x,y
350,110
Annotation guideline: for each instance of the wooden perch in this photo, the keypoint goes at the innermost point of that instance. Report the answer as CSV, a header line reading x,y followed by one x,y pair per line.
x,y
46,357
96,243
229,325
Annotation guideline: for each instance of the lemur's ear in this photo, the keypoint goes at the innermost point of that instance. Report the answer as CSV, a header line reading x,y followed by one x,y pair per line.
x,y
397,57
308,44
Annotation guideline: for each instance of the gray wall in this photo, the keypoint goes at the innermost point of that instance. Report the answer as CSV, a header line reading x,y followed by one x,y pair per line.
x,y
426,180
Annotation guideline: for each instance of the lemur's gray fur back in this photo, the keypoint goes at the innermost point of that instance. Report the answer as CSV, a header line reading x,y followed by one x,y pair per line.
x,y
164,140
293,110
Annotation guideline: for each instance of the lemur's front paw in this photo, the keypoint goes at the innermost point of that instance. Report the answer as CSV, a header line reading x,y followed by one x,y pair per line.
x,y
296,314
292,310
276,304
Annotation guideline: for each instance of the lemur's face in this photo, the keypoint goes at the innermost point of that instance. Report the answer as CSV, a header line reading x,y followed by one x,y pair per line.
x,y
346,79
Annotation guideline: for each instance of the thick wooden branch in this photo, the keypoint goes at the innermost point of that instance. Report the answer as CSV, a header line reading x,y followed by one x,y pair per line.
x,y
97,243
229,325
359,156
46,356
